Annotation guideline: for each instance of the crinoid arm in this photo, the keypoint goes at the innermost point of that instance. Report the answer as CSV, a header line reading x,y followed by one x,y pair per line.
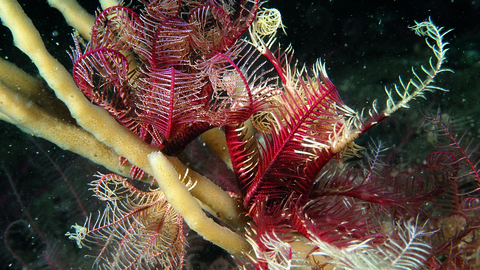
x,y
138,229
403,249
463,151
309,123
417,86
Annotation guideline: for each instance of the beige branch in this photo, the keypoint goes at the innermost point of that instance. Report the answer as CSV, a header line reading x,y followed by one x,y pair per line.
x,y
177,194
15,78
75,15
23,113
34,89
215,139
108,3
219,201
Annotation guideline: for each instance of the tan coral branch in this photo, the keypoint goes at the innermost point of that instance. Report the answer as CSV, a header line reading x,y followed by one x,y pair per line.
x,y
76,16
32,119
177,194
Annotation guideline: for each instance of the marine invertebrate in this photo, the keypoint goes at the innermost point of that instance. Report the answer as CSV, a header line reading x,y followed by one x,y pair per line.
x,y
171,70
